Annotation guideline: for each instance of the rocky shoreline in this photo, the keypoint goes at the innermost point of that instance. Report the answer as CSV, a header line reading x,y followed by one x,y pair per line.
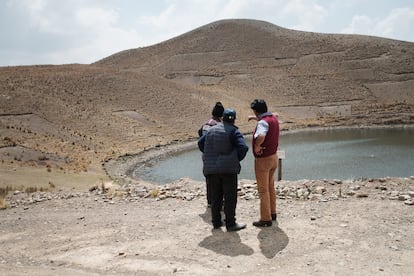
x,y
389,188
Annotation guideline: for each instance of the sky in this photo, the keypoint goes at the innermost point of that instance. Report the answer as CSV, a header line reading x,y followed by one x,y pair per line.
x,y
85,31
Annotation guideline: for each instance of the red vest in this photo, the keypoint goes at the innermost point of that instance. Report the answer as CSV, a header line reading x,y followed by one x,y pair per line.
x,y
271,141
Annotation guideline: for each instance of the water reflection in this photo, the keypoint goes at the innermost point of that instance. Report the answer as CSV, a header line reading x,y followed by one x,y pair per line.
x,y
335,153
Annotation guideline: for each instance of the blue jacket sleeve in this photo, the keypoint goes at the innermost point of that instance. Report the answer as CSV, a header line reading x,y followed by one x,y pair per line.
x,y
201,143
240,144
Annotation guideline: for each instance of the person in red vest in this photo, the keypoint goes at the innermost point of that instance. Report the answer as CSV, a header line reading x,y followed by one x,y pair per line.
x,y
264,143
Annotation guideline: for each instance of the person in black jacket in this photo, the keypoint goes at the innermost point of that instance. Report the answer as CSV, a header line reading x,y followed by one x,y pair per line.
x,y
217,115
223,148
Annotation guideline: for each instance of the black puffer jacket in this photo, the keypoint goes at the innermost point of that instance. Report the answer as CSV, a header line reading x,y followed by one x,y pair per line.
x,y
223,148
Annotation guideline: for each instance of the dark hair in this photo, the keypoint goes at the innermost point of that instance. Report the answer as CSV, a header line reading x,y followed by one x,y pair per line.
x,y
218,110
259,106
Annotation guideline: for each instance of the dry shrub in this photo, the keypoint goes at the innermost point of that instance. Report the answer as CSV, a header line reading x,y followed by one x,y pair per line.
x,y
8,141
154,192
52,185
43,158
109,187
5,191
3,203
30,190
3,194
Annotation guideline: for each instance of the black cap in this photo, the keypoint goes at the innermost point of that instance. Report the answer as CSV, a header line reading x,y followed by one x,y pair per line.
x,y
229,115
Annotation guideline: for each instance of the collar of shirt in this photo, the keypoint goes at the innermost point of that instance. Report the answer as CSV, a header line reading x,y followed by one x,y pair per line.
x,y
264,114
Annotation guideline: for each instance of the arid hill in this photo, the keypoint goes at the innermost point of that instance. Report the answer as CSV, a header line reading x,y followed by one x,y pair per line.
x,y
58,121
310,75
76,116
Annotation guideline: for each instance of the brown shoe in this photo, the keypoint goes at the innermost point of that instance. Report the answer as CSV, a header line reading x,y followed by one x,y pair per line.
x,y
262,223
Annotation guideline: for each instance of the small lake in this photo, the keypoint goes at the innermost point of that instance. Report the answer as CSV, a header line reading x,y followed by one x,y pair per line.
x,y
319,154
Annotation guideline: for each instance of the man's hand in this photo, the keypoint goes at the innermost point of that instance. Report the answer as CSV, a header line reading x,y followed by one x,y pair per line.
x,y
258,149
251,117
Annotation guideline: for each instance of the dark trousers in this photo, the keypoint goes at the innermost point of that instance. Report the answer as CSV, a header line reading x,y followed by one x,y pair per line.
x,y
208,189
223,185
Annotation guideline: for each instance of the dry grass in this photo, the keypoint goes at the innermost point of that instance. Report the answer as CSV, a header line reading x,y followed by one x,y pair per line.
x,y
3,194
109,188
5,191
3,204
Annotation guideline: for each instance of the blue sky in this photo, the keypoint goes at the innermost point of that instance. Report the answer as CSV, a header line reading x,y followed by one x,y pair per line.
x,y
84,31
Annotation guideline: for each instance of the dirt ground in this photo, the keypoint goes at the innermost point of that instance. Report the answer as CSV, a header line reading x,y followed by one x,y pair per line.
x,y
89,233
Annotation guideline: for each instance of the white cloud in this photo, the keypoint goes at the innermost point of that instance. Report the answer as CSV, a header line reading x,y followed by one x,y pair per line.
x,y
67,32
175,19
53,31
234,8
360,24
105,36
34,5
96,17
184,15
308,14
100,46
397,24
